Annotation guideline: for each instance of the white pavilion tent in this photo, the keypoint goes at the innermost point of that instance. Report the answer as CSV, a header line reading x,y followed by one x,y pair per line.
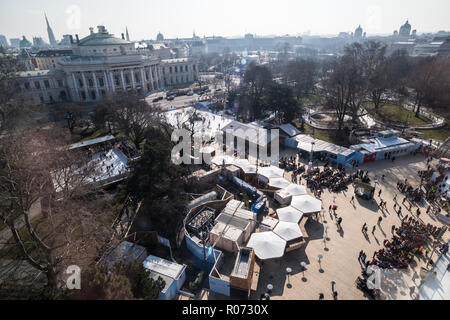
x,y
270,172
220,160
267,245
289,214
288,230
306,204
279,183
295,190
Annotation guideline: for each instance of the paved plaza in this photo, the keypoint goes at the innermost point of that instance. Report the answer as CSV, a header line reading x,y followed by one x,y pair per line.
x,y
339,264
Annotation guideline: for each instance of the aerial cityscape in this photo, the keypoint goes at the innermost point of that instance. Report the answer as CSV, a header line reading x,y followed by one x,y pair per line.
x,y
271,165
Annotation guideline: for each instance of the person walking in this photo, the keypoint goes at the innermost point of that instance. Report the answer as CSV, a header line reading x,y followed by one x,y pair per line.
x,y
373,229
379,193
329,209
321,296
360,255
395,207
363,257
339,221
395,198
403,201
353,199
363,227
399,212
393,229
379,220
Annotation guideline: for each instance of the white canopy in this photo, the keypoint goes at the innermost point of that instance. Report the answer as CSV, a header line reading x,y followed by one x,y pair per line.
x,y
278,183
306,204
271,172
295,190
267,245
289,214
288,230
245,165
219,160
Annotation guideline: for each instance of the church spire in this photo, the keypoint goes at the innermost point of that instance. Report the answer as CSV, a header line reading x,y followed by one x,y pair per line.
x,y
51,36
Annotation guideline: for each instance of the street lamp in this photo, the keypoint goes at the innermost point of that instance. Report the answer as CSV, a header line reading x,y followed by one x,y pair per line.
x,y
320,258
303,264
269,288
312,151
288,271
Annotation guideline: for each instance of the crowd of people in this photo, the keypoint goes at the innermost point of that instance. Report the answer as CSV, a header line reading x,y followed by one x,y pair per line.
x,y
411,239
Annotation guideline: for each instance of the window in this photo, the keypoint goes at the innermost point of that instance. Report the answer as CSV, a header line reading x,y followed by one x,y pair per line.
x,y
136,76
37,85
80,82
100,81
186,68
170,69
91,83
176,69
116,80
60,84
83,95
27,86
127,79
42,99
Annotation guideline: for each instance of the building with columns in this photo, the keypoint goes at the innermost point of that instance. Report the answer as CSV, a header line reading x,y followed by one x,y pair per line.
x,y
103,64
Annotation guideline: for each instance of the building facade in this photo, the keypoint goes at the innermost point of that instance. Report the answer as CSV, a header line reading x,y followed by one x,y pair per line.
x,y
48,59
102,64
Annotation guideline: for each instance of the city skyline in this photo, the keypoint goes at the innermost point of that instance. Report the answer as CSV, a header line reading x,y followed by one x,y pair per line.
x,y
145,19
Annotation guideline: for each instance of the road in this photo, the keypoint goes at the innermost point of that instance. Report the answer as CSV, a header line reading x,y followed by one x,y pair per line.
x,y
178,101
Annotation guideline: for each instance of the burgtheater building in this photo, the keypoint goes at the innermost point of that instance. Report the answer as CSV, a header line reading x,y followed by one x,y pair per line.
x,y
102,64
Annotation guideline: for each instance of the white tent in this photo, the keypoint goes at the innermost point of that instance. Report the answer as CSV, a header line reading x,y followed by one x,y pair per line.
x,y
249,169
278,183
245,165
288,230
267,245
271,172
306,204
295,190
289,214
219,160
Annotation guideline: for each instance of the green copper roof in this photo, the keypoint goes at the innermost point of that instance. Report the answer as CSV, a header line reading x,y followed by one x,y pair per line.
x,y
101,40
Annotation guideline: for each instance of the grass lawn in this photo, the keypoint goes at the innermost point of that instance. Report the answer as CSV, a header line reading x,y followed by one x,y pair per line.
x,y
311,98
392,112
437,134
331,136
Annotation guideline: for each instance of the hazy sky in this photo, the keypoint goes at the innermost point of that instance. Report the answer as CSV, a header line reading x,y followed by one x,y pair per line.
x,y
179,18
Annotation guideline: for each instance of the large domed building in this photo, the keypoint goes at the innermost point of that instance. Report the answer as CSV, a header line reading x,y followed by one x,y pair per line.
x,y
405,30
102,63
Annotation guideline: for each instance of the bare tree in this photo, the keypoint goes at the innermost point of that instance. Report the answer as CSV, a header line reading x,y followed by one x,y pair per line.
x,y
424,80
337,88
38,169
130,115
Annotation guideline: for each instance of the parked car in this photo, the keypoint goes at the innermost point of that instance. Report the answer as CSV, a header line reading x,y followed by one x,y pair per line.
x,y
190,93
170,98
